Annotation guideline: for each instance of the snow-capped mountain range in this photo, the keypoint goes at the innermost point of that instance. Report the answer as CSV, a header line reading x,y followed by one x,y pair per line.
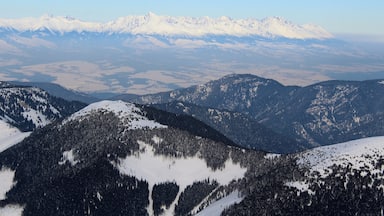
x,y
152,24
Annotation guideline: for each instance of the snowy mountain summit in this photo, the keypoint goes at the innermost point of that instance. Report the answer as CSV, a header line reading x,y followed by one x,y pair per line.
x,y
152,24
131,115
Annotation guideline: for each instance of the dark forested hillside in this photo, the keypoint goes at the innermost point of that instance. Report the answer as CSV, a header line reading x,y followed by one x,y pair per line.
x,y
241,128
116,158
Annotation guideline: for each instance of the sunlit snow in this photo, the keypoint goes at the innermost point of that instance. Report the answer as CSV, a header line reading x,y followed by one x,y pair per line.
x,y
167,25
6,181
183,171
131,115
11,210
272,156
10,136
357,154
38,118
216,208
354,152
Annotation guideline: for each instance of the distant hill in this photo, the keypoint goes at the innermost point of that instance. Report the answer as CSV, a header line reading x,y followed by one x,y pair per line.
x,y
59,91
319,114
241,128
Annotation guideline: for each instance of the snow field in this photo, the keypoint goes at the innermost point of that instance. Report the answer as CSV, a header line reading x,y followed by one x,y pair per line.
x,y
11,210
183,171
10,136
357,154
6,181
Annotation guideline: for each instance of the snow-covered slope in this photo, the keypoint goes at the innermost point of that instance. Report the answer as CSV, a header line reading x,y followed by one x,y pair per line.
x,y
27,108
10,136
363,157
356,154
166,25
157,169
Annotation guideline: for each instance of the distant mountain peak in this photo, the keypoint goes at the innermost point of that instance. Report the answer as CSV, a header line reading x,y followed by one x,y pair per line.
x,y
153,24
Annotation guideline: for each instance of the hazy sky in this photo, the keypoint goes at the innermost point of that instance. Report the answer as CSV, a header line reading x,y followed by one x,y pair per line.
x,y
337,16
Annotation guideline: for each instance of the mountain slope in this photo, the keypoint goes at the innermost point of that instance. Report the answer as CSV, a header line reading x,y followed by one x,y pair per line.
x,y
342,179
238,127
323,113
115,158
10,135
153,24
333,111
110,158
28,108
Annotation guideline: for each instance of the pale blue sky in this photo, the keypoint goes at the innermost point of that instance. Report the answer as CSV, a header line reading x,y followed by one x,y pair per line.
x,y
337,16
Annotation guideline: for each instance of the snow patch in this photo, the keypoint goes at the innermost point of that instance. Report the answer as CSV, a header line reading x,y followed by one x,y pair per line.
x,y
11,210
36,117
272,156
300,185
381,82
183,171
6,182
130,115
157,139
68,156
216,208
10,136
224,88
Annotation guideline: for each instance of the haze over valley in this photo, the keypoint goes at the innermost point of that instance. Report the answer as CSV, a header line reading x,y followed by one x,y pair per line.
x,y
153,53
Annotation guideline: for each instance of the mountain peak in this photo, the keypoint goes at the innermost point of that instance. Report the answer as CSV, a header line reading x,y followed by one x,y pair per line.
x,y
132,116
154,24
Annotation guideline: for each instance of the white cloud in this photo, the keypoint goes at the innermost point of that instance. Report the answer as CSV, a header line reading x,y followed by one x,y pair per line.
x,y
358,68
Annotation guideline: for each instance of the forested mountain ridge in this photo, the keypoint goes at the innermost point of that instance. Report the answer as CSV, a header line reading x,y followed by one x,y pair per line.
x,y
239,127
116,158
320,114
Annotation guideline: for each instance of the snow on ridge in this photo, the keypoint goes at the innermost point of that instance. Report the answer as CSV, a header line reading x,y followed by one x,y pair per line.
x,y
355,152
131,115
169,25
